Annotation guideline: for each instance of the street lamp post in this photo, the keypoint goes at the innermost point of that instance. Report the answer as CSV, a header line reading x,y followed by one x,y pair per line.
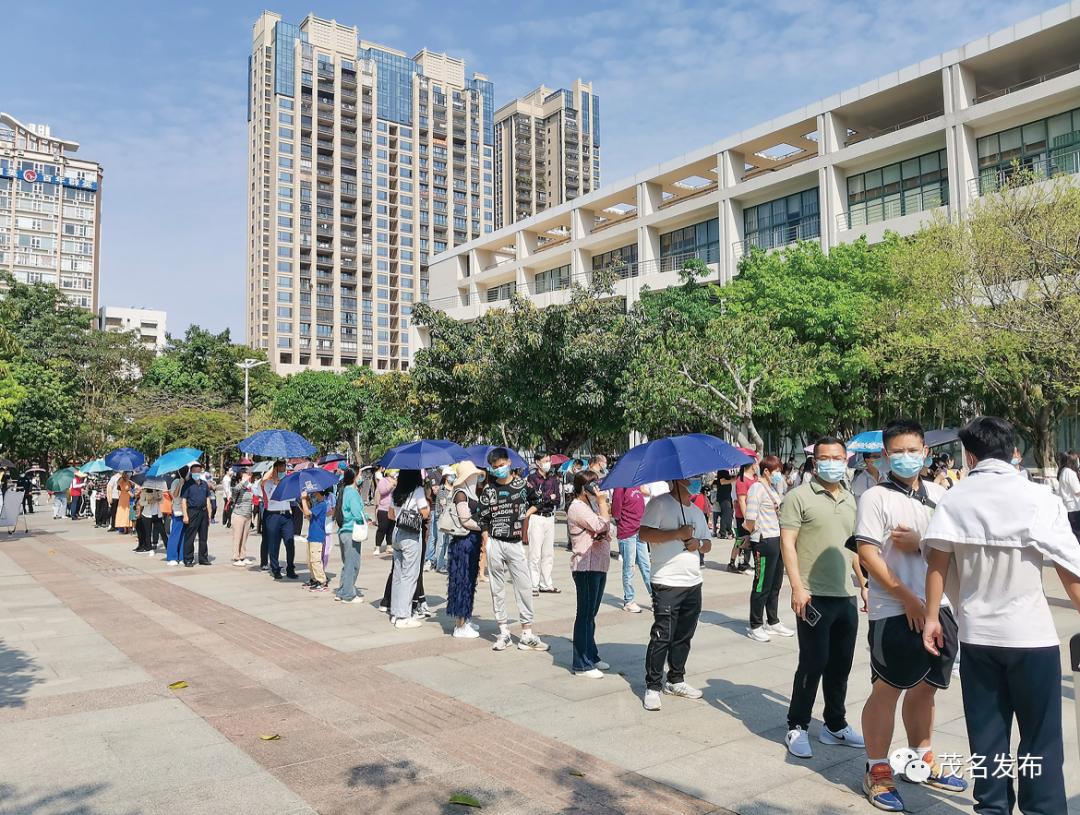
x,y
247,365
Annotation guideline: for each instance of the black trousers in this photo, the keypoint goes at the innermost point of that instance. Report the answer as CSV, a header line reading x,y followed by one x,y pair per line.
x,y
998,685
768,578
825,654
675,616
226,513
28,502
298,520
198,524
142,530
113,504
101,512
384,532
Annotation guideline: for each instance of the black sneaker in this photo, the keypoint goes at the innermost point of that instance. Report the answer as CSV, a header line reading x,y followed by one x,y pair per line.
x,y
731,567
204,562
190,565
277,574
292,575
310,584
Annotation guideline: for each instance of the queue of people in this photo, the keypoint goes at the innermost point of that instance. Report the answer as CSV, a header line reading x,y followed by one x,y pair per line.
x,y
886,543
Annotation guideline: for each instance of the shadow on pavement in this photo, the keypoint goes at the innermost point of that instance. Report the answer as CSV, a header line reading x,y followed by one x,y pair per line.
x,y
70,801
18,673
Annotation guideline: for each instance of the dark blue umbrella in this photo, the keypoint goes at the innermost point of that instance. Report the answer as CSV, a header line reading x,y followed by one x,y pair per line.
x,y
672,458
125,459
419,455
333,457
277,444
311,479
478,455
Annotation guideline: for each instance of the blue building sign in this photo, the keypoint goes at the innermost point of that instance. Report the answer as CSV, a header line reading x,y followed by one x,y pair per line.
x,y
32,176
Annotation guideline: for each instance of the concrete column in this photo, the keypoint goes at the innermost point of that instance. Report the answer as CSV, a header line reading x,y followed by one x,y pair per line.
x,y
649,197
732,232
581,223
523,280
580,266
832,188
832,133
648,250
963,169
730,164
473,265
963,87
524,243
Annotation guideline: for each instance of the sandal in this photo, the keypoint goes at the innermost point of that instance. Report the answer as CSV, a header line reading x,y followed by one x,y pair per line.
x,y
552,590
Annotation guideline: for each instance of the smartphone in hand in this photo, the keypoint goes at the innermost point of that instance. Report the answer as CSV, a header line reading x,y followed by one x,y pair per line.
x,y
811,615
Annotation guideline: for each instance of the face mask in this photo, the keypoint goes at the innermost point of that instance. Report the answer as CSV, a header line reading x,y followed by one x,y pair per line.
x,y
832,472
499,472
542,467
694,486
602,472
1015,462
777,479
906,465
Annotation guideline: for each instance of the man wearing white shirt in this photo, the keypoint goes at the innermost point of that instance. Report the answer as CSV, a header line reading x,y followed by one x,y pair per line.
x,y
675,531
868,476
1001,530
114,499
889,523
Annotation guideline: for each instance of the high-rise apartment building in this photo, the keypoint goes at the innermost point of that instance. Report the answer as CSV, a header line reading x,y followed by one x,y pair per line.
x,y
363,163
50,211
547,150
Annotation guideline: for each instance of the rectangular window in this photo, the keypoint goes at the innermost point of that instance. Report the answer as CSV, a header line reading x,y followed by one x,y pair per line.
x,y
553,279
785,220
700,241
1043,148
623,261
914,185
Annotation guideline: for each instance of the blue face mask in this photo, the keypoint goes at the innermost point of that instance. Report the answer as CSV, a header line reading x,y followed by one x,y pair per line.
x,y
694,486
776,480
832,471
499,472
906,465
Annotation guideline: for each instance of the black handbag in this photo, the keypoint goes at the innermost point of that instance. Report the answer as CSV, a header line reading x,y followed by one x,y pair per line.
x,y
409,520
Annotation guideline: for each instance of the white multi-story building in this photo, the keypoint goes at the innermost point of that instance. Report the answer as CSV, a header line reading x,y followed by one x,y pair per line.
x,y
149,324
885,155
50,211
363,162
547,150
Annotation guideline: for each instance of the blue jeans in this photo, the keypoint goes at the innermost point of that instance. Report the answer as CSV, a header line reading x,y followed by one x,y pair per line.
x,y
175,543
75,506
634,550
350,568
590,591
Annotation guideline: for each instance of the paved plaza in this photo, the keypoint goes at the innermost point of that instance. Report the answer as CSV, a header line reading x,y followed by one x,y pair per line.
x,y
370,719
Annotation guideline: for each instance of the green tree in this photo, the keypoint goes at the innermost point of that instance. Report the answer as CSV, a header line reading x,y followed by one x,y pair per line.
x,y
526,376
44,422
214,431
998,300
322,406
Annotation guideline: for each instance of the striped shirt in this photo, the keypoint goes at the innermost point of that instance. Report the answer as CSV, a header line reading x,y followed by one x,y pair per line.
x,y
763,507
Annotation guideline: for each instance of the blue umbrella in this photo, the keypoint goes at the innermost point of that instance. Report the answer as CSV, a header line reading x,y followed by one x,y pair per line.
x,y
566,465
125,459
98,465
333,457
672,458
311,479
174,460
419,455
277,444
478,455
869,441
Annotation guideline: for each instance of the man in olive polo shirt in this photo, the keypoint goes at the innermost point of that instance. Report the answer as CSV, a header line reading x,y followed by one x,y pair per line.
x,y
816,519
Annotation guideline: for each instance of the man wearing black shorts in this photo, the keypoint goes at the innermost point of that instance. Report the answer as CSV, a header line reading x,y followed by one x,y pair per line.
x,y
891,518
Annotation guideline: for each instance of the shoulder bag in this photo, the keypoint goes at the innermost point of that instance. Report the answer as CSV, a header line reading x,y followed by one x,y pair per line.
x,y
409,519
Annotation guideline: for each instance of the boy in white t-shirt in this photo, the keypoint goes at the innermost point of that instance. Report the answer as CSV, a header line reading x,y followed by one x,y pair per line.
x,y
675,531
892,515
1001,530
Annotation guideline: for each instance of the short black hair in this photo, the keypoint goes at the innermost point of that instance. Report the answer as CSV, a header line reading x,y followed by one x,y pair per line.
x,y
989,437
901,427
497,454
823,440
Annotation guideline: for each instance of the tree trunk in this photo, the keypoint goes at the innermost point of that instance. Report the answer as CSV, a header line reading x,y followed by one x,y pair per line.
x,y
1044,438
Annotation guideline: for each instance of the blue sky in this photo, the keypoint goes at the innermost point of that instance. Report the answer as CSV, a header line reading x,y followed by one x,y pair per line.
x,y
156,93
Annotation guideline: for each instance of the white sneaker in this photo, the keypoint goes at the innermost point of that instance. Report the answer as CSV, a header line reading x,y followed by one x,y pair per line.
x,y
758,634
465,632
409,622
427,565
174,562
780,630
531,642
473,626
847,737
651,700
592,673
632,607
798,743
356,599
600,665
502,642
683,690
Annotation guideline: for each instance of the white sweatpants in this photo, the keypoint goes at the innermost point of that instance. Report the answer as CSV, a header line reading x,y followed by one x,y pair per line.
x,y
541,550
506,563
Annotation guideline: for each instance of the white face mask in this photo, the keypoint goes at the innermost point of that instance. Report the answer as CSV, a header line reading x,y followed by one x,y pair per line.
x,y
543,466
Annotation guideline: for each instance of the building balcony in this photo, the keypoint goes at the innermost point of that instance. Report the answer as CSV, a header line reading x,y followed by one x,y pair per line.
x,y
896,206
808,228
1060,161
